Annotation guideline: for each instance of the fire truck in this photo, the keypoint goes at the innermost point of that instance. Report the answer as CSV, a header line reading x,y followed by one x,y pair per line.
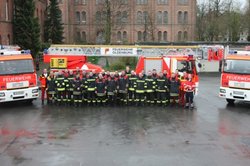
x,y
18,79
235,77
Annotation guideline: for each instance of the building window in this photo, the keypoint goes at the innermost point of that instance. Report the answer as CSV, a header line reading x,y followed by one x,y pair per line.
x,y
124,16
7,10
84,37
8,39
145,36
139,17
78,36
84,2
141,2
185,36
159,36
182,2
118,17
119,36
165,36
78,18
180,18
145,17
179,36
159,17
139,35
165,17
100,2
124,35
185,19
162,2
84,17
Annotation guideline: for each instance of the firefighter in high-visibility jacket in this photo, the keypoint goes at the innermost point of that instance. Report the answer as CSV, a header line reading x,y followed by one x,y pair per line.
x,y
182,79
51,87
60,87
101,90
111,89
122,88
131,87
43,81
84,89
140,87
91,87
162,89
77,92
189,88
150,91
69,86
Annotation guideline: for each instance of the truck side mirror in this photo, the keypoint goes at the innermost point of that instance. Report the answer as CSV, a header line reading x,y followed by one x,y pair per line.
x,y
199,65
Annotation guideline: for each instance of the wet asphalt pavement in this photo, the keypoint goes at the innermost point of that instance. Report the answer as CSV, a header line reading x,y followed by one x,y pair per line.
x,y
213,134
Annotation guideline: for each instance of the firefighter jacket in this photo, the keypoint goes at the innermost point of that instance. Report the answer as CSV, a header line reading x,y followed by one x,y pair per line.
x,y
161,84
174,85
51,86
84,83
131,82
154,76
150,83
140,85
69,82
77,86
100,86
122,84
128,73
60,84
90,83
111,86
189,86
43,80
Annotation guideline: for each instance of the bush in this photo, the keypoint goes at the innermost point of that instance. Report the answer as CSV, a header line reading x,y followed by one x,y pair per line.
x,y
117,66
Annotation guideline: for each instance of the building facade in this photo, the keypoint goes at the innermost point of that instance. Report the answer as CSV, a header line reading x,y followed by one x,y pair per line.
x,y
131,21
6,19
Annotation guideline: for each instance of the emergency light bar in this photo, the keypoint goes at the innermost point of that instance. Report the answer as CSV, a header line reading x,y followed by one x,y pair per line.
x,y
240,52
8,47
8,52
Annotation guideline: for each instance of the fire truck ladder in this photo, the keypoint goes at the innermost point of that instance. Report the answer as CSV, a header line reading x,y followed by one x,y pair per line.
x,y
120,51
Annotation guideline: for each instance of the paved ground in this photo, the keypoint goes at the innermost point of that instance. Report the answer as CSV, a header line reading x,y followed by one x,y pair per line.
x,y
213,134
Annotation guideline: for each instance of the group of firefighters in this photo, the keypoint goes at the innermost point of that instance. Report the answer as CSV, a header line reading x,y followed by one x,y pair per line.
x,y
125,88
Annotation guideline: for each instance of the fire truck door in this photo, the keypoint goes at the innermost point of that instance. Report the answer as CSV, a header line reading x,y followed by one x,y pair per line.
x,y
151,64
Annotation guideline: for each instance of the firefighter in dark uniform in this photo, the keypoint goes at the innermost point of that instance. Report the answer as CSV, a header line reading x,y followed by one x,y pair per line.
x,y
101,90
60,87
51,87
150,91
131,88
140,87
111,89
161,89
77,86
174,88
84,83
128,71
122,88
91,87
69,86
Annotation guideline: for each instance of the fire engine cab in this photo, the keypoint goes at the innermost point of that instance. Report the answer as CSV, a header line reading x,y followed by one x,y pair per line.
x,y
18,79
235,77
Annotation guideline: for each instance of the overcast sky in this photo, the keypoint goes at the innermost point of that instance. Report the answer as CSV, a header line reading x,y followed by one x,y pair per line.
x,y
242,2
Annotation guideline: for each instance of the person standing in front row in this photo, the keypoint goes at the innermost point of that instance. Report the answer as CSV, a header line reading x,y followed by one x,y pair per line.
x,y
189,88
43,81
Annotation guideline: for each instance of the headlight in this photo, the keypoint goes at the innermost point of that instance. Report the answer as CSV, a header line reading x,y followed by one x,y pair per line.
x,y
35,91
222,91
2,94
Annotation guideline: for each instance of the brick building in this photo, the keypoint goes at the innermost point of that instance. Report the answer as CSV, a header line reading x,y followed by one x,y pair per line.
x,y
132,20
6,19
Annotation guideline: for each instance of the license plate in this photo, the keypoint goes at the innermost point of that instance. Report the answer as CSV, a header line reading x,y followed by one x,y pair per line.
x,y
238,93
17,85
18,93
239,85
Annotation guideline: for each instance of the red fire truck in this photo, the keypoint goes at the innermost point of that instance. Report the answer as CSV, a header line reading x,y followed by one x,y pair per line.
x,y
18,79
235,77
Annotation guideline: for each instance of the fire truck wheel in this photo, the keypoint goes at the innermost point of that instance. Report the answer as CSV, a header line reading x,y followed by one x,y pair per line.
x,y
230,101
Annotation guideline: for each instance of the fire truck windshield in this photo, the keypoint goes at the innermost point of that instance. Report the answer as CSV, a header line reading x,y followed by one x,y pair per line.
x,y
237,66
16,67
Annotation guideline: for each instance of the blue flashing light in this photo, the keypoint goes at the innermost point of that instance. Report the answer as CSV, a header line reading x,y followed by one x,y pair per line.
x,y
26,52
45,51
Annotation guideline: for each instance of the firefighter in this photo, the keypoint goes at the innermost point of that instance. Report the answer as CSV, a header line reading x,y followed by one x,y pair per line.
x,y
117,75
90,87
69,86
111,89
122,88
154,74
150,83
60,87
165,74
51,87
183,79
161,89
107,76
127,71
174,86
77,71
140,87
189,88
77,92
84,83
131,88
43,80
101,90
